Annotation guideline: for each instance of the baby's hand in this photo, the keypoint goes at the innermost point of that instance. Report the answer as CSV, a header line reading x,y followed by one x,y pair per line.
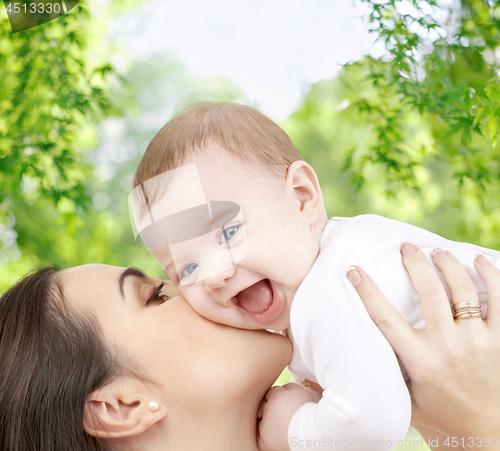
x,y
278,408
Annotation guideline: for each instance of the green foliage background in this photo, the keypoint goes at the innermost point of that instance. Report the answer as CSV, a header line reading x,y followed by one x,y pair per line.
x,y
412,135
72,131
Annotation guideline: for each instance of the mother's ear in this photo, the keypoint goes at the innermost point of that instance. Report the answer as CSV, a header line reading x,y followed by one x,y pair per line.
x,y
123,408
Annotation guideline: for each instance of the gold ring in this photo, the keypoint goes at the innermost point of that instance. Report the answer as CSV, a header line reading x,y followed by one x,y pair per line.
x,y
468,314
467,305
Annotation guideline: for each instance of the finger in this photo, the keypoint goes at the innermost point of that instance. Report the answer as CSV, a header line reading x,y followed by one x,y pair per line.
x,y
491,277
312,385
396,330
433,297
460,284
292,386
260,411
273,392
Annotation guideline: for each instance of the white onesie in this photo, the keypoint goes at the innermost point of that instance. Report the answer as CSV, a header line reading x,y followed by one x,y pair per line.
x,y
365,404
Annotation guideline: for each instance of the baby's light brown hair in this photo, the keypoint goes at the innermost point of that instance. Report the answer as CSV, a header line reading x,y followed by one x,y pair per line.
x,y
239,129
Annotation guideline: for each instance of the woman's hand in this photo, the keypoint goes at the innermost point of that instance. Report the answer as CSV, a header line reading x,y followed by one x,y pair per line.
x,y
454,365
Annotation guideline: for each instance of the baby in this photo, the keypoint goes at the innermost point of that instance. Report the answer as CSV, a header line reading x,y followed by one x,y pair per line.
x,y
235,216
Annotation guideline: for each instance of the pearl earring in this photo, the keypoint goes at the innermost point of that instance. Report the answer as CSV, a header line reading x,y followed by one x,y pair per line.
x,y
153,406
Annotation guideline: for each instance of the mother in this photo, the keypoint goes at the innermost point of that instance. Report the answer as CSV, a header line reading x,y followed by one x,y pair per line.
x,y
99,358
104,358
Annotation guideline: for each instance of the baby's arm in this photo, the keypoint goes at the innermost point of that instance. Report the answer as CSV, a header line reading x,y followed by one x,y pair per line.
x,y
365,404
383,238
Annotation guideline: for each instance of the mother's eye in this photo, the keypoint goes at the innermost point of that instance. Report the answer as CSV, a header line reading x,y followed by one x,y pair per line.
x,y
156,297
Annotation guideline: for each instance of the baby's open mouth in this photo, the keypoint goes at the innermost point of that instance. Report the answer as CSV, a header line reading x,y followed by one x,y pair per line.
x,y
258,300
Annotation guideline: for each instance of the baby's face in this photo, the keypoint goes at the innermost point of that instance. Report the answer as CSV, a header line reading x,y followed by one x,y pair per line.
x,y
244,274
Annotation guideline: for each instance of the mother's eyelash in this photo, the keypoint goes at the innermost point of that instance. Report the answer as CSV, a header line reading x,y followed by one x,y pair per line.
x,y
156,294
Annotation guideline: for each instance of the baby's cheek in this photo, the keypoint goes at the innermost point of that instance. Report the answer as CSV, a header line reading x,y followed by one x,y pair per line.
x,y
199,301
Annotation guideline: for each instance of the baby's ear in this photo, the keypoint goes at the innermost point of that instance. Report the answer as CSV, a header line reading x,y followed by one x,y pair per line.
x,y
123,408
303,185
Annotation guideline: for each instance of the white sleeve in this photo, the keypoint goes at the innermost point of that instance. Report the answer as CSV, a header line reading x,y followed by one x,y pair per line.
x,y
379,239
365,404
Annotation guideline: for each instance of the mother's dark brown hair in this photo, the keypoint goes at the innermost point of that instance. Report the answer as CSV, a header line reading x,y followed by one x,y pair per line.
x,y
51,359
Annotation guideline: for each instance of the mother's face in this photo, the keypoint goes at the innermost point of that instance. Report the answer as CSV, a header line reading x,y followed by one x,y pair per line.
x,y
185,354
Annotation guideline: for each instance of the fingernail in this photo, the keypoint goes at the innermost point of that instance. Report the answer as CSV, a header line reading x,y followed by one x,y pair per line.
x,y
481,259
353,275
408,249
438,253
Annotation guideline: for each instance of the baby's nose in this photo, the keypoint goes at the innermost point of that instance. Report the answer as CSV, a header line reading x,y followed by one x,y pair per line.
x,y
219,280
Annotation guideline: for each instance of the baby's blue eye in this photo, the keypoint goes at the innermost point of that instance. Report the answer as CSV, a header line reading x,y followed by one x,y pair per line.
x,y
188,270
228,234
